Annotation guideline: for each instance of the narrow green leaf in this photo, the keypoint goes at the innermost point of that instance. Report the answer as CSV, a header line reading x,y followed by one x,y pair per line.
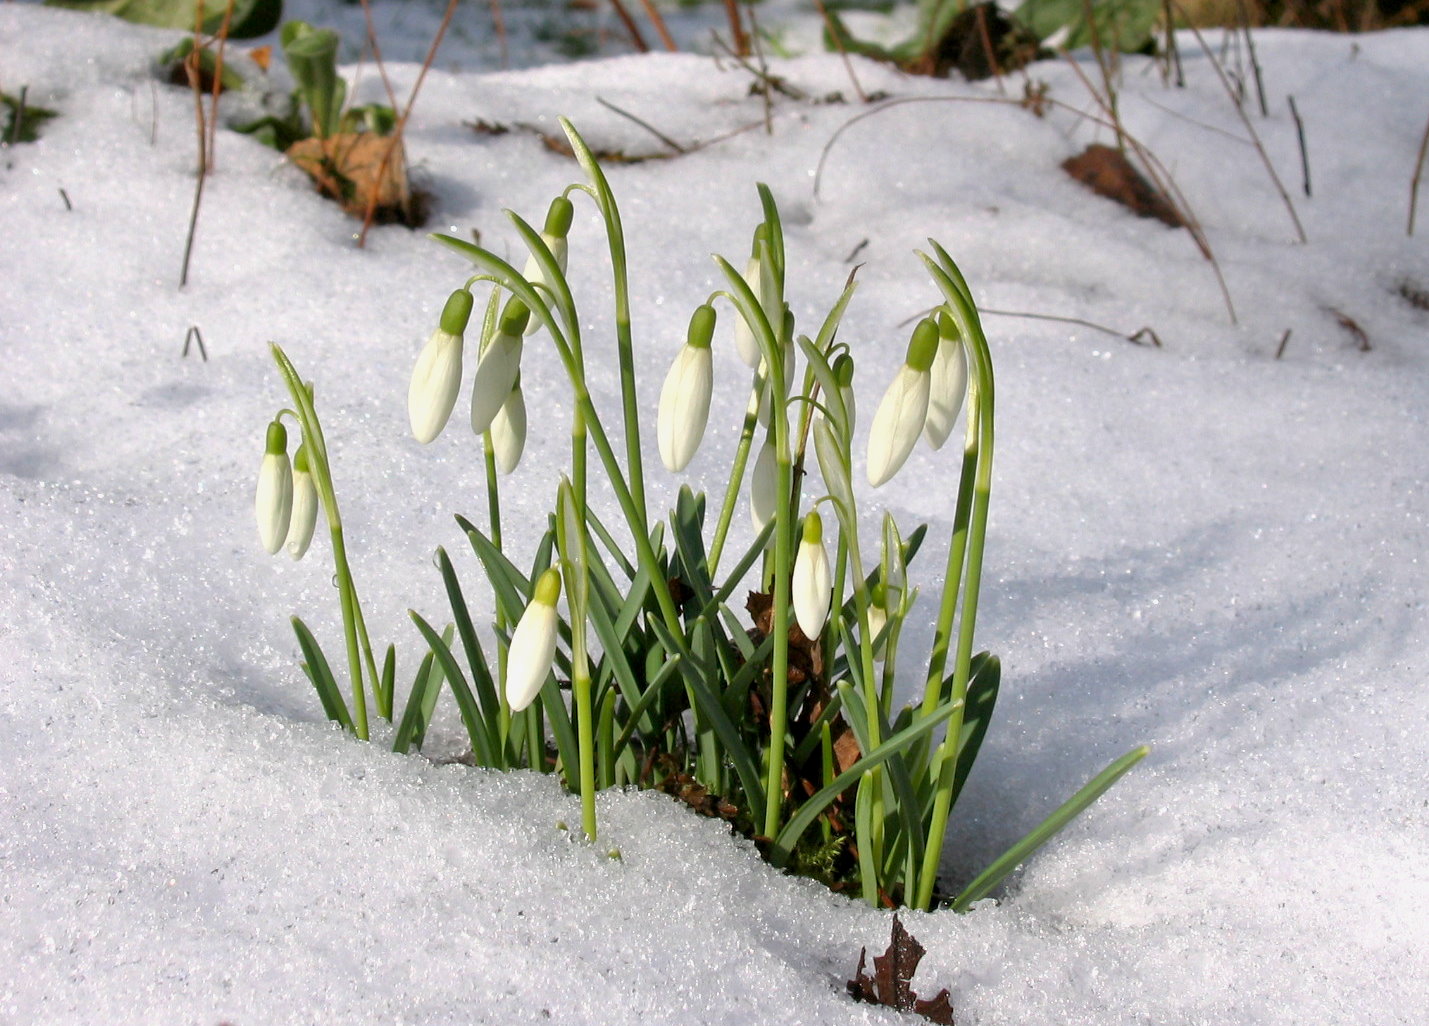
x,y
329,694
413,723
482,681
986,674
479,731
809,811
990,877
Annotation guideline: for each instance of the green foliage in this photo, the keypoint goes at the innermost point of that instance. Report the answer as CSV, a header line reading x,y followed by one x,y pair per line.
x,y
22,118
649,676
250,17
1123,25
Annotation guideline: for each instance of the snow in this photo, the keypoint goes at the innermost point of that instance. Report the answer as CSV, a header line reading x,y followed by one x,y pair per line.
x,y
1198,546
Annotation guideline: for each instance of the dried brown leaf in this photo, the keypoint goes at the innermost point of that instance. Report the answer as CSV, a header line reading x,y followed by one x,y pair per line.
x,y
891,982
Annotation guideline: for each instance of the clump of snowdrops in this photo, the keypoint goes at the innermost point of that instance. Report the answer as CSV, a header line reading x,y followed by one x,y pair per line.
x,y
645,675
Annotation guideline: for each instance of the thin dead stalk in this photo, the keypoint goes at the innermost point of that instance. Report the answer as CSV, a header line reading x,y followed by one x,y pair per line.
x,y
1255,138
653,13
205,132
1304,151
843,53
394,146
1414,181
643,124
631,29
376,49
736,28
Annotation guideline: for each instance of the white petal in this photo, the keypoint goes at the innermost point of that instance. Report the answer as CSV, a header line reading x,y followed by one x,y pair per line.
x,y
273,504
436,380
948,383
744,342
533,273
764,487
684,406
897,424
305,514
495,378
508,432
533,649
812,588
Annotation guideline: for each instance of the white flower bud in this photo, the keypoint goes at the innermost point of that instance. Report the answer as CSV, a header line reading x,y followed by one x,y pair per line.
x,y
273,504
904,408
764,486
436,378
813,582
533,643
685,397
305,506
947,384
508,431
500,364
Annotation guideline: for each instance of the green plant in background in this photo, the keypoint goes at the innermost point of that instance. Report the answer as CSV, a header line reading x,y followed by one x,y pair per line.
x,y
957,34
22,119
787,728
250,18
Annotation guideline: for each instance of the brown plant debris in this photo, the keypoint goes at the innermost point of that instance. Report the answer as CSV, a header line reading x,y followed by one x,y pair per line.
x,y
1352,326
1106,171
350,167
891,982
1414,294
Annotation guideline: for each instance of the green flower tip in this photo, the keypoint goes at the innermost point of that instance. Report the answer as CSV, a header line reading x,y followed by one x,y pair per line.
x,y
947,327
558,218
761,234
923,346
813,528
457,312
702,325
514,317
843,370
548,588
300,460
277,440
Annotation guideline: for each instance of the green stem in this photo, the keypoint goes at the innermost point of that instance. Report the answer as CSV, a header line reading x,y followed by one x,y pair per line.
x,y
733,490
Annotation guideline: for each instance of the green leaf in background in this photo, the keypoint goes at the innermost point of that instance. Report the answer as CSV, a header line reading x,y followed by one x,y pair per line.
x,y
22,119
312,58
1124,25
250,17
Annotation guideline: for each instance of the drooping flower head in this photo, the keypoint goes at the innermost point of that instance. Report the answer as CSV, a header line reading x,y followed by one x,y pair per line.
x,y
499,366
948,382
813,582
305,505
436,378
904,408
745,344
533,643
273,503
685,397
557,227
508,430
764,486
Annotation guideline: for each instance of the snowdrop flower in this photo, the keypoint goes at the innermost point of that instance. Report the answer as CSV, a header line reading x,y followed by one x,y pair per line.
x,y
558,226
533,643
877,613
904,408
833,463
305,505
274,502
764,486
685,396
813,582
948,383
500,364
508,430
436,379
744,341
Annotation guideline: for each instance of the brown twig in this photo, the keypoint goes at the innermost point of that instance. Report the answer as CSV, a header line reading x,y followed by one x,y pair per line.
x,y
1284,341
980,13
376,49
194,335
1351,325
217,85
1138,337
65,196
843,53
1414,181
653,13
1255,139
1304,151
395,145
1254,61
736,28
630,27
763,71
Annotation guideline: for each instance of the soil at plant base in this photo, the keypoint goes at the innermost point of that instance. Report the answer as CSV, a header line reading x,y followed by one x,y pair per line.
x,y
352,167
981,42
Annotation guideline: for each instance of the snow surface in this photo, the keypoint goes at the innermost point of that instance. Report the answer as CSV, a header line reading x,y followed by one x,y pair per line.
x,y
1198,546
